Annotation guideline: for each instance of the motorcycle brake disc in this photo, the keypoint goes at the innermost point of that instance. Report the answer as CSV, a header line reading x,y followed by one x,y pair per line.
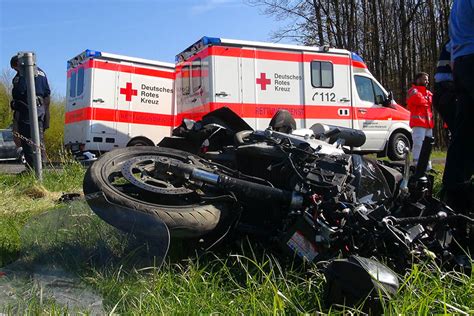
x,y
140,172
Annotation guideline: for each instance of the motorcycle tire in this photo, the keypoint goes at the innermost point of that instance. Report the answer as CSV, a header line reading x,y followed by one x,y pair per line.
x,y
186,220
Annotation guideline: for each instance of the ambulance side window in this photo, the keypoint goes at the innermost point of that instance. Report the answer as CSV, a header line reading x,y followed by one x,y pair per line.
x,y
72,84
322,74
185,80
80,81
196,74
365,88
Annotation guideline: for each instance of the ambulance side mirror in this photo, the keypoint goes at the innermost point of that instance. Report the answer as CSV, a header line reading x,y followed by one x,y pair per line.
x,y
387,100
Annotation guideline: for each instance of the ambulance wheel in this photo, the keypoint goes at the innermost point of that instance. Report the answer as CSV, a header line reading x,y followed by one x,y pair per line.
x,y
127,177
396,146
140,141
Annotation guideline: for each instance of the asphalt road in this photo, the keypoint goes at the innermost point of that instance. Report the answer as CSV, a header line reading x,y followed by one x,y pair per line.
x,y
15,168
11,167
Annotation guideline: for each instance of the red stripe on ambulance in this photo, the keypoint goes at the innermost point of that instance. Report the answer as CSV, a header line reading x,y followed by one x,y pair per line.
x,y
245,110
248,110
120,116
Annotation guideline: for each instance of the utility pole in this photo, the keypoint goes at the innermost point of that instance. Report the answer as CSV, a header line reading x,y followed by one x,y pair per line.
x,y
27,63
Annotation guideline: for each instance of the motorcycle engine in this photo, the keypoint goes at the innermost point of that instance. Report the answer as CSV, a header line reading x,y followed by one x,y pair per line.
x,y
328,176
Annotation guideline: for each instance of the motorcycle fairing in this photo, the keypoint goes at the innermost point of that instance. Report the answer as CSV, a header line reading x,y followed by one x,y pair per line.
x,y
372,188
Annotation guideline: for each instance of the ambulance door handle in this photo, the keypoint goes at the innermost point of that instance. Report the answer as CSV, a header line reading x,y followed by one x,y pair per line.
x,y
221,94
98,100
344,100
363,111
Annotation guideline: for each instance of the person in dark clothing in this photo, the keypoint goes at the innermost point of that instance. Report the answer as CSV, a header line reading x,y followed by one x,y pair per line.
x,y
19,105
444,96
457,178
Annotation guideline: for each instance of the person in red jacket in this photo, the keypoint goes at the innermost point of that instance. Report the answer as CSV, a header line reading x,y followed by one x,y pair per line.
x,y
419,101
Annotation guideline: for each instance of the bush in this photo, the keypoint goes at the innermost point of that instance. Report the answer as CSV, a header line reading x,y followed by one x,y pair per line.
x,y
54,135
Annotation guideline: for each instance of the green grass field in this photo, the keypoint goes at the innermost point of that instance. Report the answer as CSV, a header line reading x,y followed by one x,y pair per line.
x,y
243,278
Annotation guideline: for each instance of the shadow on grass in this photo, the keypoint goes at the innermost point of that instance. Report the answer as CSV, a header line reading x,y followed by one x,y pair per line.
x,y
58,247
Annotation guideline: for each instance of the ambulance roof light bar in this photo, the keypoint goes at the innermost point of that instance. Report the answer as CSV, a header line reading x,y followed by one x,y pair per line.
x,y
92,53
95,54
82,56
194,48
357,57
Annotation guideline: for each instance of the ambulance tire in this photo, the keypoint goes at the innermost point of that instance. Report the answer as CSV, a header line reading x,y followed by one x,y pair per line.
x,y
184,221
396,146
140,141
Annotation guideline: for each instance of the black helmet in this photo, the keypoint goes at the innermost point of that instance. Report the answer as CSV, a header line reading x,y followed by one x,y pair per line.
x,y
14,61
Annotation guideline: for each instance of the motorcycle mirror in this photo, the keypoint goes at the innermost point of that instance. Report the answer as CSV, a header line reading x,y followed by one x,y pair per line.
x,y
189,124
359,280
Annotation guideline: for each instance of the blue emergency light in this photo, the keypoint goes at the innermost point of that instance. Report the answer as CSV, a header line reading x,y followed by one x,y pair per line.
x,y
86,54
210,40
357,57
92,53
204,41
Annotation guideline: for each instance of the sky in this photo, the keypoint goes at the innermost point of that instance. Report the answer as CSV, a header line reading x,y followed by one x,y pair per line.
x,y
58,30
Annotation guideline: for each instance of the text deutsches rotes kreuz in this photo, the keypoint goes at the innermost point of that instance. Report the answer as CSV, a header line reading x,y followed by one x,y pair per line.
x,y
151,94
283,81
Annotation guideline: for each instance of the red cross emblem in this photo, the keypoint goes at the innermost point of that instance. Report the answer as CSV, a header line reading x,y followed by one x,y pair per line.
x,y
263,81
128,91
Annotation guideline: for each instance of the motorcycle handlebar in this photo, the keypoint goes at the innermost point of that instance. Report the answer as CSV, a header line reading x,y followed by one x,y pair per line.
x,y
440,217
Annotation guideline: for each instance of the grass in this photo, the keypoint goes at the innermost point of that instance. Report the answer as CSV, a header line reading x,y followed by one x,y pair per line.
x,y
23,197
438,154
242,278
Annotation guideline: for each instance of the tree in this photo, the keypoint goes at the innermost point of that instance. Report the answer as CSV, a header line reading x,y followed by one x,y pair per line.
x,y
396,39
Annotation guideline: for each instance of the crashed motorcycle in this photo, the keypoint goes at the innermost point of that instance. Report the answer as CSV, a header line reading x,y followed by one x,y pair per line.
x,y
300,190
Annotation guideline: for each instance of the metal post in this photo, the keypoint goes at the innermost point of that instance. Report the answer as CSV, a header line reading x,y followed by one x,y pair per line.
x,y
27,63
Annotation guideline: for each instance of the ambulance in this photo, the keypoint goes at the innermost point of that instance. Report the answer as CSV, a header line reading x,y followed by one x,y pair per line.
x,y
316,84
117,101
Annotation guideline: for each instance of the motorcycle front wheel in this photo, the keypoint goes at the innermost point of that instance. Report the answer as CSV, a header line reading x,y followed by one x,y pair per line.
x,y
128,177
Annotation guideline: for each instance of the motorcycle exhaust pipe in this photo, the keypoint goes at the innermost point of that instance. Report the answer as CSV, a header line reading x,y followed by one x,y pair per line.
x,y
241,187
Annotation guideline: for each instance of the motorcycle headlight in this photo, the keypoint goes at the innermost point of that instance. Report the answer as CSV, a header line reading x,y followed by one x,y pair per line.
x,y
357,279
379,273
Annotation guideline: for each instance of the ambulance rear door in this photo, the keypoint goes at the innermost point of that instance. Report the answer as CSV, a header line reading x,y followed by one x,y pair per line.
x,y
104,102
226,82
78,101
327,89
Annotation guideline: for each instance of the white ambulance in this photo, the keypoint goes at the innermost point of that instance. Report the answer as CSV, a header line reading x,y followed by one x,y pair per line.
x,y
117,101
316,84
